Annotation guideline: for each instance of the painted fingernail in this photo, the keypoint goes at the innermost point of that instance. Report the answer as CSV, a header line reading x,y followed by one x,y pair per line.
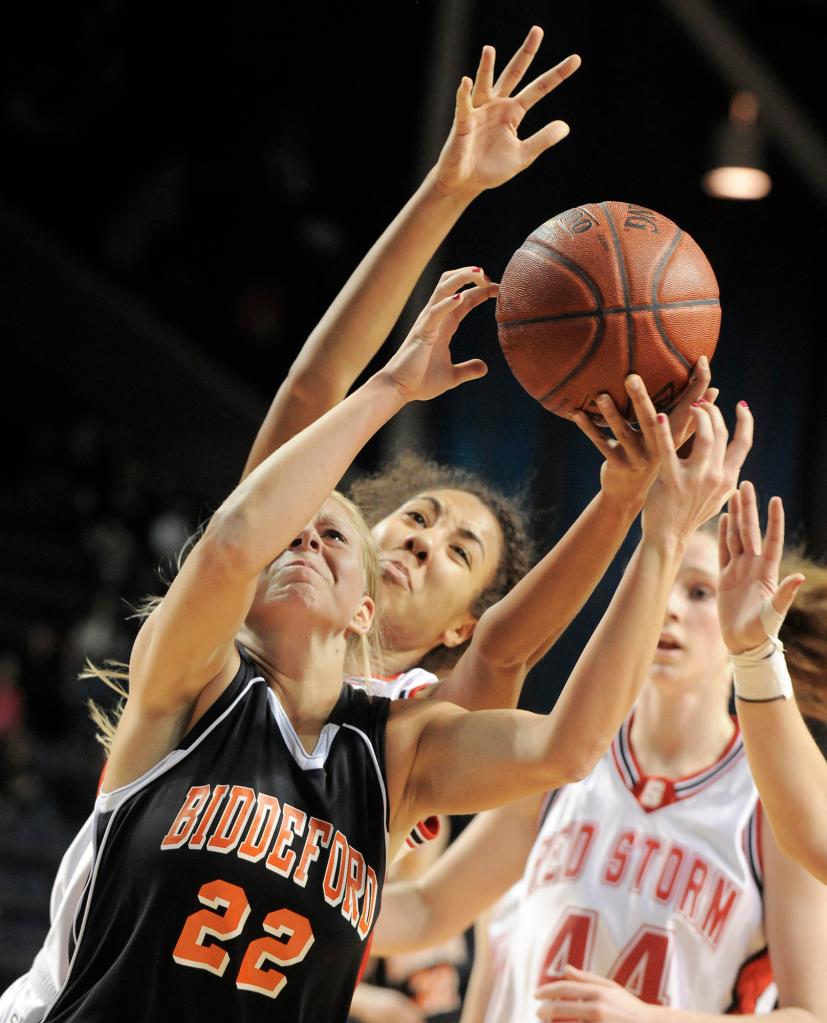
x,y
695,404
477,269
661,418
743,404
456,296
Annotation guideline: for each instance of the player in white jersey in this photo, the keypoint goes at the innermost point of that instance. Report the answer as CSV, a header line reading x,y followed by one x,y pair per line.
x,y
756,611
650,888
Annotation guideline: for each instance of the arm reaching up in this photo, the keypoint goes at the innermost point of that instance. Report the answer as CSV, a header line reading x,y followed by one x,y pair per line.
x,y
482,151
789,770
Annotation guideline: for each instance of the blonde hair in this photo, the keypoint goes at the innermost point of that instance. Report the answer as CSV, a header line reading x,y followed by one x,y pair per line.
x,y
363,655
804,634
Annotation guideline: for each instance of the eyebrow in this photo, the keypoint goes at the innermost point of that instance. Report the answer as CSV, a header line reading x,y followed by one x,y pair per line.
x,y
464,532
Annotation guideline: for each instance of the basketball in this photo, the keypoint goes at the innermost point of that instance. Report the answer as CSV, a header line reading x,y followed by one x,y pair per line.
x,y
602,291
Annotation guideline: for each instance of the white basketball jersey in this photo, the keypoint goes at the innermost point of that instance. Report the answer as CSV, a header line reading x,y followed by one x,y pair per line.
x,y
653,882
405,685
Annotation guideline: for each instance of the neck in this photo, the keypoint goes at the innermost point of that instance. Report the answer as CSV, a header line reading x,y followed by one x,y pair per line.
x,y
394,661
679,733
306,676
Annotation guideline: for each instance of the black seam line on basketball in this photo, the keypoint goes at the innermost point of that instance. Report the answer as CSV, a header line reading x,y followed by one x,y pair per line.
x,y
587,358
624,280
659,272
545,250
688,303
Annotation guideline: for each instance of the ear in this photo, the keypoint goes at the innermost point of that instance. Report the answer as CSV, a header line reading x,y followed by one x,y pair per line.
x,y
362,620
459,633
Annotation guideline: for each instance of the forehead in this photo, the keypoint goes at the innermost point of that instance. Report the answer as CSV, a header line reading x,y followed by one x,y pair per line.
x,y
333,511
701,555
460,509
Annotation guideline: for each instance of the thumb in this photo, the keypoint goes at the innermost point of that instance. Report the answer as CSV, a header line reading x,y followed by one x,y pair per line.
x,y
785,594
544,139
473,369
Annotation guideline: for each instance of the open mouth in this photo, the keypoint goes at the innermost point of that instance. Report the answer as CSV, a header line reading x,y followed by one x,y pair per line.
x,y
666,643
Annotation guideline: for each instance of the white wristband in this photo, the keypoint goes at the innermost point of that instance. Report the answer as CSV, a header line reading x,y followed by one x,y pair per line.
x,y
761,674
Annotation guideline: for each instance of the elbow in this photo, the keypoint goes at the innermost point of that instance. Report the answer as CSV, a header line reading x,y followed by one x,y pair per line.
x,y
575,761
225,547
494,644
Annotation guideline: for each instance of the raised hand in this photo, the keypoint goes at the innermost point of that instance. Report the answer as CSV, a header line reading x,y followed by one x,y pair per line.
x,y
689,491
631,458
749,569
422,368
483,149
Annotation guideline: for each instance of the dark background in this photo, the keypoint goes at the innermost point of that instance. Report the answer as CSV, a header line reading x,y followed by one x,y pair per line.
x,y
181,196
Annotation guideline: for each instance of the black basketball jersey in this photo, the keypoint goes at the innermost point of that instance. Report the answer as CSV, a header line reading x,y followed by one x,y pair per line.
x,y
239,878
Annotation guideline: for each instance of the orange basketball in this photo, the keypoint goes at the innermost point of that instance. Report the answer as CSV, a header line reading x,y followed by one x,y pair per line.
x,y
602,291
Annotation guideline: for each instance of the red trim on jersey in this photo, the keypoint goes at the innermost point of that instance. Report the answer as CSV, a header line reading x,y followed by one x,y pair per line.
x,y
753,979
100,780
413,693
664,791
364,963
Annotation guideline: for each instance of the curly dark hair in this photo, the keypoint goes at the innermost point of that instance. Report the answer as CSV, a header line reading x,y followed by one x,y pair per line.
x,y
409,474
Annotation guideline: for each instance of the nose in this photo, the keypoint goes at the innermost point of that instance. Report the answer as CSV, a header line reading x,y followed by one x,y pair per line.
x,y
420,544
308,539
674,606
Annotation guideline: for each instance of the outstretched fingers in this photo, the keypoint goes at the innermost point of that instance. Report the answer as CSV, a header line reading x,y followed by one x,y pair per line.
x,y
464,108
484,79
443,316
733,528
547,82
681,417
741,442
723,547
535,145
512,74
645,411
748,524
452,280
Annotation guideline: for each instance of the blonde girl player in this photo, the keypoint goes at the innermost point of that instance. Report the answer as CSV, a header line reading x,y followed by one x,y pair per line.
x,y
788,767
449,582
251,802
649,890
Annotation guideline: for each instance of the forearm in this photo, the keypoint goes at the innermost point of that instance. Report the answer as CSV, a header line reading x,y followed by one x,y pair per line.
x,y
609,673
275,501
360,318
522,626
518,630
791,775
665,1014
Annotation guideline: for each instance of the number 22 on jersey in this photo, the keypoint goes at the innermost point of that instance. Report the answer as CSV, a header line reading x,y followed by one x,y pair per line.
x,y
291,939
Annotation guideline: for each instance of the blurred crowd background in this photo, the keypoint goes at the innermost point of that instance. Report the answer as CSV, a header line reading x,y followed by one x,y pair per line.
x,y
181,196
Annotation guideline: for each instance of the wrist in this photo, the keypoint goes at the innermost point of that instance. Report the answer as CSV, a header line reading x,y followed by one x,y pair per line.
x,y
623,508
386,394
458,197
667,544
